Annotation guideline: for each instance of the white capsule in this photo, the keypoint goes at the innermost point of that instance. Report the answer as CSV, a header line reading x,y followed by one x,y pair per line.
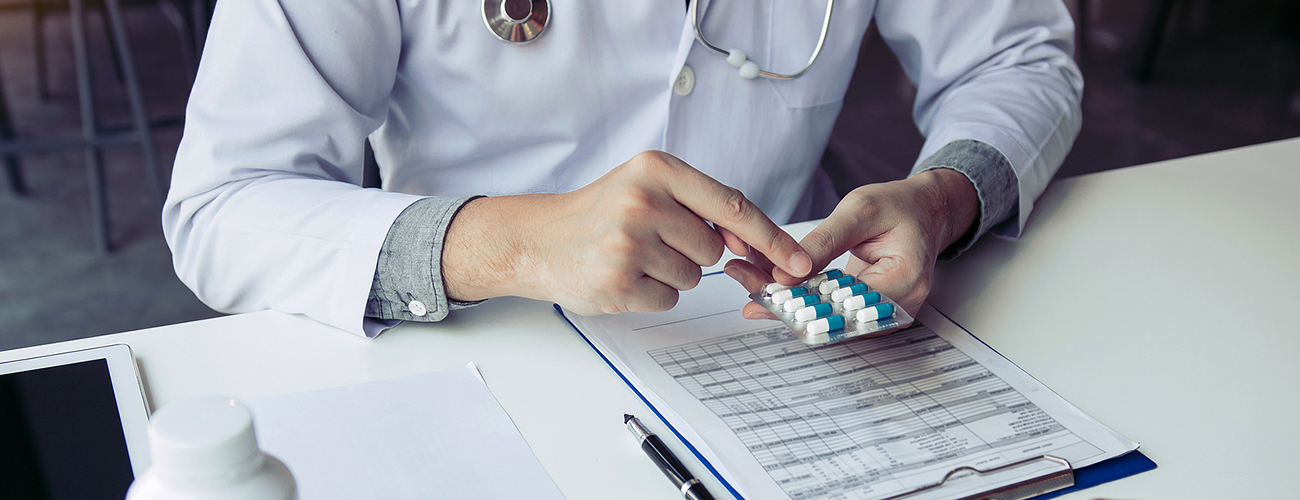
x,y
833,284
861,300
843,293
783,295
827,324
829,274
796,303
813,312
772,288
876,312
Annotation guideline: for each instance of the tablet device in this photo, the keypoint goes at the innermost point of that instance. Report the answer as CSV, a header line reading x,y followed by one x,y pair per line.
x,y
72,425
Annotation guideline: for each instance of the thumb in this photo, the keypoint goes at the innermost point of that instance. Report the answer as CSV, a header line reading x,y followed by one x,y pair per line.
x,y
836,235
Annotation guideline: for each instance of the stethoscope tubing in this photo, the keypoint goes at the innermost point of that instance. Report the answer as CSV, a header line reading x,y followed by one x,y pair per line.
x,y
821,42
532,25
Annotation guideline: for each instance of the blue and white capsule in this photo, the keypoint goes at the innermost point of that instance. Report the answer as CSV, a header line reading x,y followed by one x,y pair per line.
x,y
876,312
797,303
814,311
829,274
842,293
772,288
861,300
825,325
831,284
781,296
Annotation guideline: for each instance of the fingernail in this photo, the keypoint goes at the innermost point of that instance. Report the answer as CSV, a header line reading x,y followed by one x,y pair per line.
x,y
755,315
731,271
801,263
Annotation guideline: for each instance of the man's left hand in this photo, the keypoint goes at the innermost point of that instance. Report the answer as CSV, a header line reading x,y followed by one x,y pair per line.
x,y
894,230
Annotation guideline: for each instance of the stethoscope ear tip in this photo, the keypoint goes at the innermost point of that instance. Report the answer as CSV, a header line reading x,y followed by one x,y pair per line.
x,y
748,68
737,57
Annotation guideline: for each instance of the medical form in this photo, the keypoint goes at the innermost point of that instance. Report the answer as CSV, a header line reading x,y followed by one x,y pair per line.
x,y
861,419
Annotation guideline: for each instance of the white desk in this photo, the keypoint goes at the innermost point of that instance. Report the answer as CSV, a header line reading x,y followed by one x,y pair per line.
x,y
1194,266
1173,252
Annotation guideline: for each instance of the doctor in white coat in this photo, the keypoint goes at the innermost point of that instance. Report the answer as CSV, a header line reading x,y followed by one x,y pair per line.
x,y
602,147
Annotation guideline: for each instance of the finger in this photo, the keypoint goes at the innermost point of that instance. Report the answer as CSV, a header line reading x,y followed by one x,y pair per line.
x,y
753,310
844,229
690,236
747,274
903,280
650,295
671,268
734,243
728,208
759,260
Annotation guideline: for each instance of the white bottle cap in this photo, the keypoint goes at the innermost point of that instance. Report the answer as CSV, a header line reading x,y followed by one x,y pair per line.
x,y
203,439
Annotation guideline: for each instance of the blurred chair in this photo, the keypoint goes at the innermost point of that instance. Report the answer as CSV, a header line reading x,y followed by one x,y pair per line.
x,y
91,140
1153,32
190,18
12,171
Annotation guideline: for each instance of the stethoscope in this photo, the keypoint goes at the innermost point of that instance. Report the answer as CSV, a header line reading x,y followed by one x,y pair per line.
x,y
521,21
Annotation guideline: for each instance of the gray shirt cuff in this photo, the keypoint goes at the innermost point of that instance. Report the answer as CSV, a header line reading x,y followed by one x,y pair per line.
x,y
408,277
995,183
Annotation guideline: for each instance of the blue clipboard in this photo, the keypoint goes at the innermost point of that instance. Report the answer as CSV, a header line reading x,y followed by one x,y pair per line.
x,y
1099,473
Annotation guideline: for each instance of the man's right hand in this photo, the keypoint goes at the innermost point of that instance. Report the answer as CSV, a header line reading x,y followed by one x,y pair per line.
x,y
627,242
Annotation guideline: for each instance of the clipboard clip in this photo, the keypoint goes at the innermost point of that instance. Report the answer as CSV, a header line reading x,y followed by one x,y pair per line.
x,y
1053,480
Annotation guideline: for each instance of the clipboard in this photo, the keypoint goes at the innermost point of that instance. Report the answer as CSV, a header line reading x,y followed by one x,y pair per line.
x,y
1053,483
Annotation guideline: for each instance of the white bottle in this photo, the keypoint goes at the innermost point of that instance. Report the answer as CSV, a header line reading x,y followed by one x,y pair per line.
x,y
205,449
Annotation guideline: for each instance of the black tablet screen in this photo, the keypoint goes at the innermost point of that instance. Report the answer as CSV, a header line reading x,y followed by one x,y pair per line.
x,y
60,435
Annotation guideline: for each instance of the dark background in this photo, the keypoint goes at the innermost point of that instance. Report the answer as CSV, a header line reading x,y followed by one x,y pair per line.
x,y
1225,75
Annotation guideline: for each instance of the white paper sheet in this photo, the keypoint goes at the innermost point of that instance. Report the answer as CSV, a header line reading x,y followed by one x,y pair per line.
x,y
856,420
433,435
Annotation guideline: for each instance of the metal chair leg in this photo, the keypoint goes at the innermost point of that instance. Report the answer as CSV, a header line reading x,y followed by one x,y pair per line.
x,y
1153,33
38,30
94,168
138,112
175,12
1082,27
107,25
12,170
200,12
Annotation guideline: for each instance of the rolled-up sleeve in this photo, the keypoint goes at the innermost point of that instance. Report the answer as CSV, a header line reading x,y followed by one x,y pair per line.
x,y
408,283
998,72
265,209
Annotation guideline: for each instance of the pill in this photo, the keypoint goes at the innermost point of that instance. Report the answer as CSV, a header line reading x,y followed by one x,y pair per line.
x,y
783,295
827,324
813,312
876,312
772,288
861,300
797,303
833,283
848,291
829,274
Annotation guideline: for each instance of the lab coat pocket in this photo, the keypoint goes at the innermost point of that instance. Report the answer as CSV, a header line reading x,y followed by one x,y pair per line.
x,y
795,30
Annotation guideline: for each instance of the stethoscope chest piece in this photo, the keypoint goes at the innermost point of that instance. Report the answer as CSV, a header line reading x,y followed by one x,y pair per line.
x,y
516,21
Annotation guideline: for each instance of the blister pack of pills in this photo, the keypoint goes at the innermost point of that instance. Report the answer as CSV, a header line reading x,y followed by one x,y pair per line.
x,y
831,307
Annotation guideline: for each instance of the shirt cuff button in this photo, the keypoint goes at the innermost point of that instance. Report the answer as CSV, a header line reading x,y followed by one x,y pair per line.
x,y
417,308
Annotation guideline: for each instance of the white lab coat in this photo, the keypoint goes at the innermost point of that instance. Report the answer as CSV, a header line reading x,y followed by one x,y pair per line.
x,y
265,208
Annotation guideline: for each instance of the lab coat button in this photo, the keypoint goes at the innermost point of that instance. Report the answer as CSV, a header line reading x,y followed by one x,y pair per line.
x,y
417,308
685,82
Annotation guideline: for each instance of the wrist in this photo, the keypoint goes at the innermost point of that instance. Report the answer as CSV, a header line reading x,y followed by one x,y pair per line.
x,y
955,202
481,252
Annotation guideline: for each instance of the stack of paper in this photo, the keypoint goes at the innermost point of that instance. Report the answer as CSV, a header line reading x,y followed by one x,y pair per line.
x,y
861,419
434,435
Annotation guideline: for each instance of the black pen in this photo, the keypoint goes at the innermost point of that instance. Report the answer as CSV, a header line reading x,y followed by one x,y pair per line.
x,y
692,489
